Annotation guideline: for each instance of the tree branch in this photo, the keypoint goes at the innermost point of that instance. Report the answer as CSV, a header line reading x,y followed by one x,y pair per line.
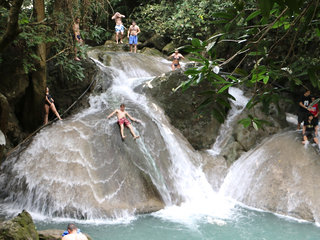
x,y
12,30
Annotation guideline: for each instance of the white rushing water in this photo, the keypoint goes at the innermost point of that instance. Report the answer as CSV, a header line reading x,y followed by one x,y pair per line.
x,y
226,128
79,167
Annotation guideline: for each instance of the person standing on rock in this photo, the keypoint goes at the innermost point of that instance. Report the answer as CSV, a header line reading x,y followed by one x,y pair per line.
x,y
77,37
119,26
133,32
310,129
122,120
49,104
176,56
314,110
73,233
303,108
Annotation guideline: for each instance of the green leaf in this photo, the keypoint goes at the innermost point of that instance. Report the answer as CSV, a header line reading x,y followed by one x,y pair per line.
x,y
266,6
253,15
196,42
245,122
221,90
265,79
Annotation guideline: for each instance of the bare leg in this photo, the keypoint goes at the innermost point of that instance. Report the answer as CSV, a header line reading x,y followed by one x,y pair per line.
x,y
54,110
121,131
305,140
117,37
132,132
46,114
130,47
121,37
316,140
135,48
173,67
179,66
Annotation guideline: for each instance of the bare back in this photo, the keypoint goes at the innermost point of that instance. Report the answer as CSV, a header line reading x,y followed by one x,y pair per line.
x,y
75,236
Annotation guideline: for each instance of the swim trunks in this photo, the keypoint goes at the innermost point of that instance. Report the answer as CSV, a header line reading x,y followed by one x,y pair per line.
x,y
133,39
119,28
124,121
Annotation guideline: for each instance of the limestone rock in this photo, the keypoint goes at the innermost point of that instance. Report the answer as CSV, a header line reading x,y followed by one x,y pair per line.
x,y
19,228
279,175
200,128
169,48
156,41
151,51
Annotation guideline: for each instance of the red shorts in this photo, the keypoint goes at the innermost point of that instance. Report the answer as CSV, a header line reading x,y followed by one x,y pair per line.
x,y
124,121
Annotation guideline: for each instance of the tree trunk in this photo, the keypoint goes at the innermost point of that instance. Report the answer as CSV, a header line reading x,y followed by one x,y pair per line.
x,y
12,29
35,97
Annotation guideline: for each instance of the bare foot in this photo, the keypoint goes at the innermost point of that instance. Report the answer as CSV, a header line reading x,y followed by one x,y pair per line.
x,y
123,137
77,59
121,41
136,137
304,142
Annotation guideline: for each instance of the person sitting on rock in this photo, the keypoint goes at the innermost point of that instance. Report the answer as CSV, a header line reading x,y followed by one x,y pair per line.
x,y
49,104
73,233
176,56
310,129
119,26
122,120
133,32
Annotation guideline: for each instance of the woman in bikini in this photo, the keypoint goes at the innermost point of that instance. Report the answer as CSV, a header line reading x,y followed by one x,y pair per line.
x,y
176,56
49,104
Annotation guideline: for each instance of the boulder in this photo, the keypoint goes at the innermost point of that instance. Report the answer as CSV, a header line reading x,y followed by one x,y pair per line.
x,y
279,175
19,228
200,128
169,48
151,51
156,41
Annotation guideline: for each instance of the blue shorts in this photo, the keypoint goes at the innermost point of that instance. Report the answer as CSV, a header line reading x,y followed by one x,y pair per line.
x,y
119,28
133,39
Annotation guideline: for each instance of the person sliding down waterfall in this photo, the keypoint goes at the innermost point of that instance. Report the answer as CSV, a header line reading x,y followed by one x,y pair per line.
x,y
122,120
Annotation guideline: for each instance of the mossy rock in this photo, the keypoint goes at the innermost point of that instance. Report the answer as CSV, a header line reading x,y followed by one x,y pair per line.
x,y
169,48
151,51
19,228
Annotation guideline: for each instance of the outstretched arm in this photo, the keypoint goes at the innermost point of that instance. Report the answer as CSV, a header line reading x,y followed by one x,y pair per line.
x,y
181,56
111,114
132,118
171,56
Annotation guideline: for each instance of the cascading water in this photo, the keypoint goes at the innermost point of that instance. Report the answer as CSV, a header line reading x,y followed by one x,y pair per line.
x,y
226,128
80,168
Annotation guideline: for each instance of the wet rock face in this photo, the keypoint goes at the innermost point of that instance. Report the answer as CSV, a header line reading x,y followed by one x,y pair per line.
x,y
279,175
182,108
19,228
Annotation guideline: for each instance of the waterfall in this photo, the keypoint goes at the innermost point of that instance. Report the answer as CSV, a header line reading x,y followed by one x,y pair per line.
x,y
80,167
226,128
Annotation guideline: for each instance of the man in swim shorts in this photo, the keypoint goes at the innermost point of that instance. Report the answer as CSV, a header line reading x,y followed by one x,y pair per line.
x,y
122,120
77,36
119,26
133,32
73,233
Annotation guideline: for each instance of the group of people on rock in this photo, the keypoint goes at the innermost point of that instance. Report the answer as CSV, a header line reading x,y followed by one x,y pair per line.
x,y
132,35
308,115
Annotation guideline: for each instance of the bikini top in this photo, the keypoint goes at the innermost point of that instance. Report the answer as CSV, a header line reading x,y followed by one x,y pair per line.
x,y
176,57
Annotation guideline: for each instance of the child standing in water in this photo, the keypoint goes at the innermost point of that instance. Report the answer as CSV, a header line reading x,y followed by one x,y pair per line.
x,y
122,120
